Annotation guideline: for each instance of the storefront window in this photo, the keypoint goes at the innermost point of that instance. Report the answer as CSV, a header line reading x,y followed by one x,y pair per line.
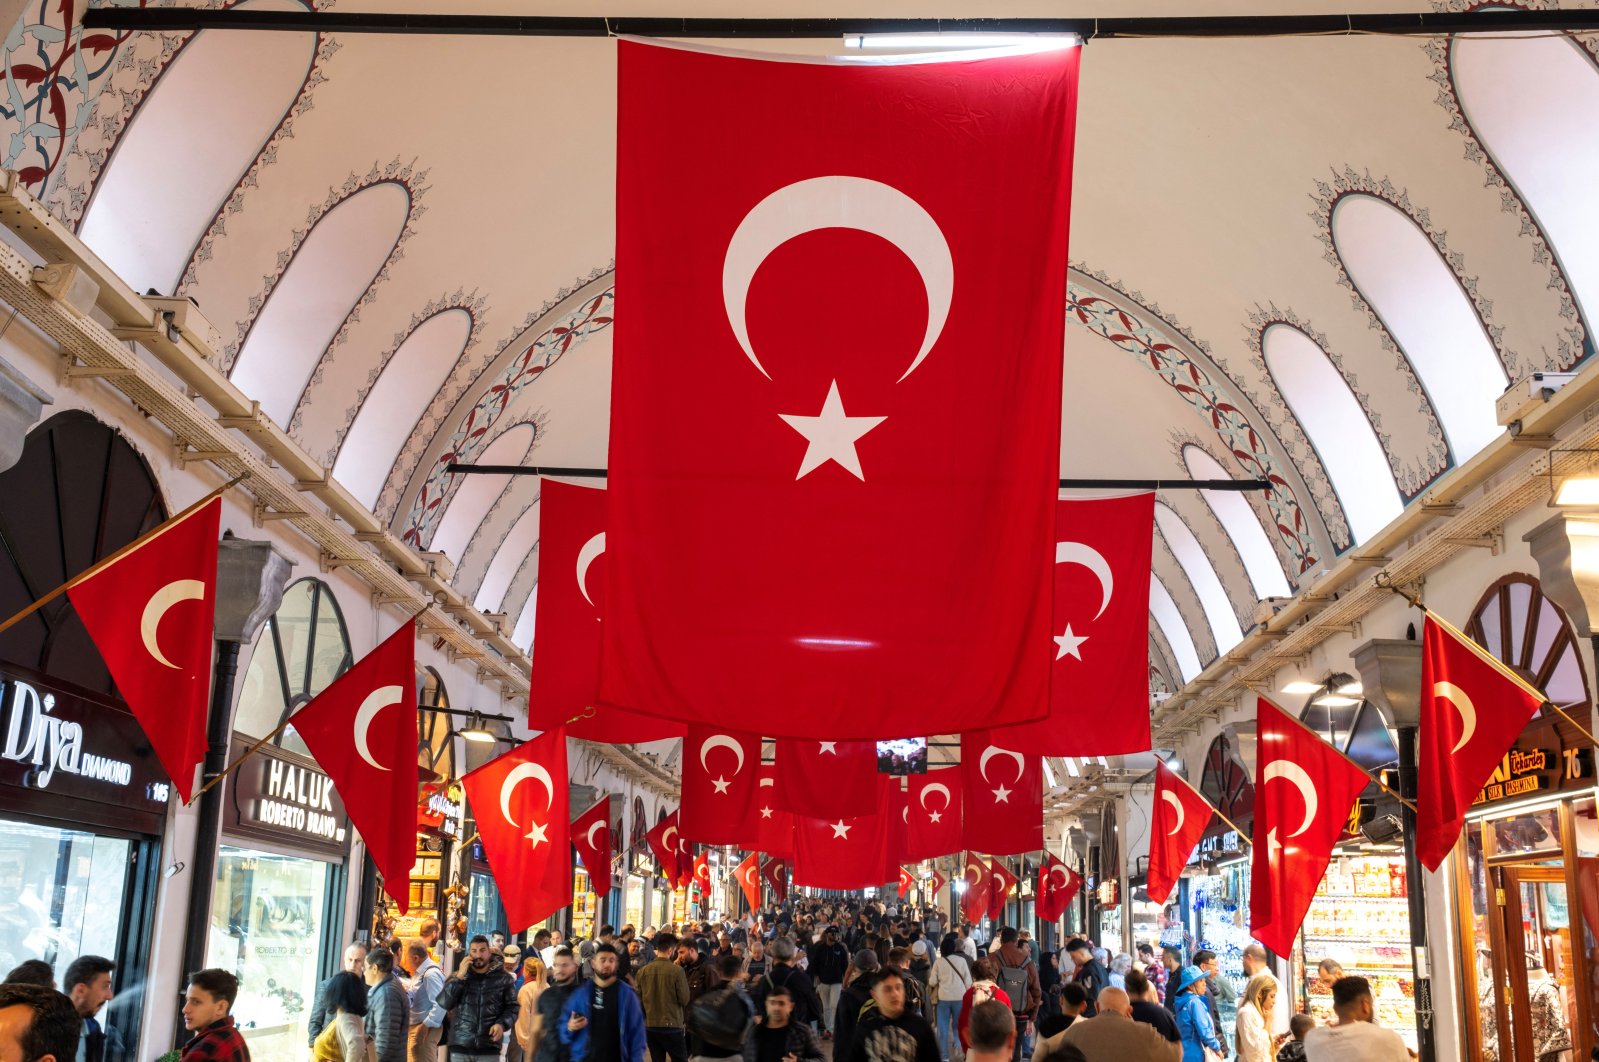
x,y
633,901
266,928
1360,918
1220,906
1535,831
1585,825
484,913
47,879
298,654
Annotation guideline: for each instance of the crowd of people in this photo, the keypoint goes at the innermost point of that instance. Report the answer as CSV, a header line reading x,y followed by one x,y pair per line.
x,y
802,982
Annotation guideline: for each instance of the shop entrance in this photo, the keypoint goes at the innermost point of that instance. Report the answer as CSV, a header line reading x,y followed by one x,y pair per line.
x,y
1534,967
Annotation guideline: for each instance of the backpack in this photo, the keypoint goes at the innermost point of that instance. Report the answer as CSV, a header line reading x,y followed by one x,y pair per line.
x,y
1013,979
722,1018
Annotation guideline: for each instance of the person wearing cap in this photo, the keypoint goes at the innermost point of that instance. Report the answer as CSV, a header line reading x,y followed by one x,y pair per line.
x,y
855,998
513,962
1194,1026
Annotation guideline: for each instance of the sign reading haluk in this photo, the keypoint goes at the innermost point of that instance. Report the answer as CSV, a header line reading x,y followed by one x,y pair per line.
x,y
282,797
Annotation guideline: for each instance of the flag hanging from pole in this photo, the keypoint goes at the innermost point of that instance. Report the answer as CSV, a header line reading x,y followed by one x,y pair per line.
x,y
775,871
719,769
523,818
933,822
663,842
763,557
1176,825
748,874
591,836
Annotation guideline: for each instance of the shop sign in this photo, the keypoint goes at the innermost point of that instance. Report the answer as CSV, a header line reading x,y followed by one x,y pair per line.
x,y
1108,894
64,745
1216,846
286,799
1543,764
444,812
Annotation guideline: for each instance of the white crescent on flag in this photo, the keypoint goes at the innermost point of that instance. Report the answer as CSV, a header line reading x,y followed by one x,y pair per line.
x,y
374,703
1292,772
155,608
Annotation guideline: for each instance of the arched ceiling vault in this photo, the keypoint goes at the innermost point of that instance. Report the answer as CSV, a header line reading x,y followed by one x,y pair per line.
x,y
370,207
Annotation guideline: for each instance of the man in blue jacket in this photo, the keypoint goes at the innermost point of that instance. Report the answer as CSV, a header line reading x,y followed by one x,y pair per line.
x,y
603,1020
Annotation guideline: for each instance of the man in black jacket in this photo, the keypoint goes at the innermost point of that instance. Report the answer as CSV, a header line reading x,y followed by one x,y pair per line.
x,y
549,1047
1092,974
828,961
778,1037
890,1032
783,972
483,997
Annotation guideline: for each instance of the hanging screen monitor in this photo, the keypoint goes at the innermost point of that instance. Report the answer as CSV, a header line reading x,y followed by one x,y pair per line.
x,y
902,756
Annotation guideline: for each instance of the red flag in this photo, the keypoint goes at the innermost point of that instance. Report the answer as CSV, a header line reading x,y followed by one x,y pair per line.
x,y
1303,792
662,839
718,787
520,802
1000,883
566,624
1473,708
935,885
591,836
895,809
826,779
748,874
1058,885
1100,642
1176,826
774,827
775,871
843,853
810,427
1003,797
150,613
974,905
934,814
362,731
907,882
685,861
702,873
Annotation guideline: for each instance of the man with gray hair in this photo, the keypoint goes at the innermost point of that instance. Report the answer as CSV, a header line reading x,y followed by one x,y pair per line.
x,y
784,973
354,962
1112,1033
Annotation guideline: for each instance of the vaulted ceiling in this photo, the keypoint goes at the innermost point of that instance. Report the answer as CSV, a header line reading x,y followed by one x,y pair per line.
x,y
1316,261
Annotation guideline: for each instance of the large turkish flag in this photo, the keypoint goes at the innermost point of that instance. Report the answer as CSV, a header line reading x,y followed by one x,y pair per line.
x,y
933,814
844,853
1304,789
150,613
362,731
835,411
775,871
825,779
974,904
1058,885
566,624
1000,884
1099,679
522,810
1002,797
1176,824
1473,708
718,786
774,827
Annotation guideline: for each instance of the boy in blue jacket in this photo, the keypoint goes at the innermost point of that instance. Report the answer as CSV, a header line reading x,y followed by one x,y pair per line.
x,y
603,1020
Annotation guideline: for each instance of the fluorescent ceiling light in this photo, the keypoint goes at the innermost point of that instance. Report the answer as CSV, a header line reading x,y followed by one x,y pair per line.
x,y
474,730
949,41
1302,686
1334,700
1578,490
1351,689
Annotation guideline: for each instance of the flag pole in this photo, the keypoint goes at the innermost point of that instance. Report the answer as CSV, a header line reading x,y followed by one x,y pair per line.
x,y
1384,581
1378,782
1214,810
101,565
230,768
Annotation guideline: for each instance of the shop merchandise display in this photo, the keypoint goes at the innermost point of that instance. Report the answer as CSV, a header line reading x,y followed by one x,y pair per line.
x,y
1221,924
1361,918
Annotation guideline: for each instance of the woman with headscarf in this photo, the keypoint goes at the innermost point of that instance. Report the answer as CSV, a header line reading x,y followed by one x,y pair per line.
x,y
1194,1026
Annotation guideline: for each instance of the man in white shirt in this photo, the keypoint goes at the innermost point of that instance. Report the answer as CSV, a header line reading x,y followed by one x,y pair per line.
x,y
1356,1037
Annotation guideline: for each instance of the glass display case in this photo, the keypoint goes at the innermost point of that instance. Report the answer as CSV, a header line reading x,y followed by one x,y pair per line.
x,y
1219,908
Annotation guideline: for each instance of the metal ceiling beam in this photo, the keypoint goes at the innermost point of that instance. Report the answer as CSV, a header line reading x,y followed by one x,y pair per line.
x,y
1066,484
172,19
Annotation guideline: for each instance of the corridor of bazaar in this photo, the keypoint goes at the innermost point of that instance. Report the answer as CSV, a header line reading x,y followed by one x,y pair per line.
x,y
405,658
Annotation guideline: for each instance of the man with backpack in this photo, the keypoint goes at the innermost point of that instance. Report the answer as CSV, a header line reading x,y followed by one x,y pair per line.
x,y
1018,976
807,1005
719,1022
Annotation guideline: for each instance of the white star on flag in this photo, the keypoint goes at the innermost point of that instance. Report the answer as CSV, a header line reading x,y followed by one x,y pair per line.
x,y
766,813
934,816
832,436
537,835
720,784
1069,643
1002,795
841,829
829,746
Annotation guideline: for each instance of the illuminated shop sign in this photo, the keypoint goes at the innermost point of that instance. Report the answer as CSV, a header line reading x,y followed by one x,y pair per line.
x,y
1538,763
286,799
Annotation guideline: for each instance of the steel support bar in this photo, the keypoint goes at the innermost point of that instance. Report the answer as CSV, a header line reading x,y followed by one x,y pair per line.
x,y
188,19
1065,484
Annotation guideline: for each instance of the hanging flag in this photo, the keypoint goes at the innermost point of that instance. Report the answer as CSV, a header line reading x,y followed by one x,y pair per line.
x,y
591,836
843,853
1176,825
826,779
935,885
150,613
663,839
1304,790
816,540
718,786
895,809
1473,708
1002,796
520,802
1000,883
362,733
702,873
934,814
907,882
685,860
748,874
566,624
774,827
1058,885
974,904
1099,677
775,871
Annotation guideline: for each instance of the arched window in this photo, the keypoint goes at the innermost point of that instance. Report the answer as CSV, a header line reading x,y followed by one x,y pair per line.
x,y
332,268
1202,576
396,401
466,510
1340,713
1170,622
1533,102
297,655
1338,428
227,91
1241,525
1524,629
435,734
1398,271
508,557
77,494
